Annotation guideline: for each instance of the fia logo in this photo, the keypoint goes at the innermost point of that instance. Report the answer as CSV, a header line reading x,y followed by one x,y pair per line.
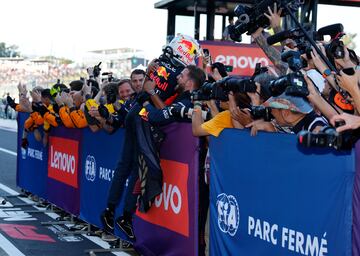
x,y
90,168
228,213
23,153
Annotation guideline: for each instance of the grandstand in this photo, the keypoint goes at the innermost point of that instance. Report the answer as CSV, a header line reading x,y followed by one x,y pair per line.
x,y
34,72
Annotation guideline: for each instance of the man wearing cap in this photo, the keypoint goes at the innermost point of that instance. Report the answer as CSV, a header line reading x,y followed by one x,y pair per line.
x,y
292,115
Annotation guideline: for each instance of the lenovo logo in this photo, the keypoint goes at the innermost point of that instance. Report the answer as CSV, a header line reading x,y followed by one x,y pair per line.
x,y
241,61
241,57
171,207
63,160
170,198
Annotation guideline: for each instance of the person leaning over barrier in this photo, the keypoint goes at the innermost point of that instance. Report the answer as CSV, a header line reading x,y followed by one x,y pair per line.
x,y
35,120
70,105
111,116
291,115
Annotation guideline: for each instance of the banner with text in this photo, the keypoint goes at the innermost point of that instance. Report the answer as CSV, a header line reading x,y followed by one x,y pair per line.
x,y
99,162
242,57
32,163
64,169
277,198
170,226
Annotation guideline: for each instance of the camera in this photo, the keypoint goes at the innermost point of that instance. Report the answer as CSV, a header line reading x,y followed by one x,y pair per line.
x,y
109,75
329,137
261,112
303,45
334,49
180,111
209,91
95,71
292,84
252,18
294,60
219,90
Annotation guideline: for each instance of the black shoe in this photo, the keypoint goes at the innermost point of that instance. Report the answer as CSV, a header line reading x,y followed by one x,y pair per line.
x,y
126,227
107,218
125,244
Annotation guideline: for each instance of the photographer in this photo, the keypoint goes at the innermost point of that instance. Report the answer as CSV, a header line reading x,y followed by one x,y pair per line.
x,y
291,115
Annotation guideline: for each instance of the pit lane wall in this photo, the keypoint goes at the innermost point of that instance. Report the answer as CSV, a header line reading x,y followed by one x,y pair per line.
x,y
75,170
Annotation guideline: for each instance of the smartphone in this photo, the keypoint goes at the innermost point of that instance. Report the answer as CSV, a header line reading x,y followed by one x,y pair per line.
x,y
229,68
207,54
349,71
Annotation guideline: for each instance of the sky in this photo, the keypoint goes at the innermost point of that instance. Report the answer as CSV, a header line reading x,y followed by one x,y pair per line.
x,y
70,28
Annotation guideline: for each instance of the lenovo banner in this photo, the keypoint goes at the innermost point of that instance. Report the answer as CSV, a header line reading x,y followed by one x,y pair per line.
x,y
171,207
63,160
64,168
242,57
173,217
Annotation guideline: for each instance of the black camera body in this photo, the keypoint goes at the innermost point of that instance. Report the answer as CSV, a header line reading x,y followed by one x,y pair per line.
x,y
261,112
219,90
303,45
209,91
329,137
252,18
292,84
97,69
334,49
294,60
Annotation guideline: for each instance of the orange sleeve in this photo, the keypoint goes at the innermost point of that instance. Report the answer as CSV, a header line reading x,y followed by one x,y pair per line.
x,y
38,120
78,118
29,124
51,119
64,113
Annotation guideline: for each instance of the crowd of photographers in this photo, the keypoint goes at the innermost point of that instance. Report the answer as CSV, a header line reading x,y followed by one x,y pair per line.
x,y
311,90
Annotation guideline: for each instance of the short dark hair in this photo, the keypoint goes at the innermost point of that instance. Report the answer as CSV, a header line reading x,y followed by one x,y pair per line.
x,y
46,93
137,72
124,81
76,85
94,91
110,90
197,75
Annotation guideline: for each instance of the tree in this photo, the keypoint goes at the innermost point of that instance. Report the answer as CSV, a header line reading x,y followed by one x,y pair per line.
x,y
8,51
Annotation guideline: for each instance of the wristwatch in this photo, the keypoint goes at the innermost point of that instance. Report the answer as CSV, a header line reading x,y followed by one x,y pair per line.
x,y
152,92
326,73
